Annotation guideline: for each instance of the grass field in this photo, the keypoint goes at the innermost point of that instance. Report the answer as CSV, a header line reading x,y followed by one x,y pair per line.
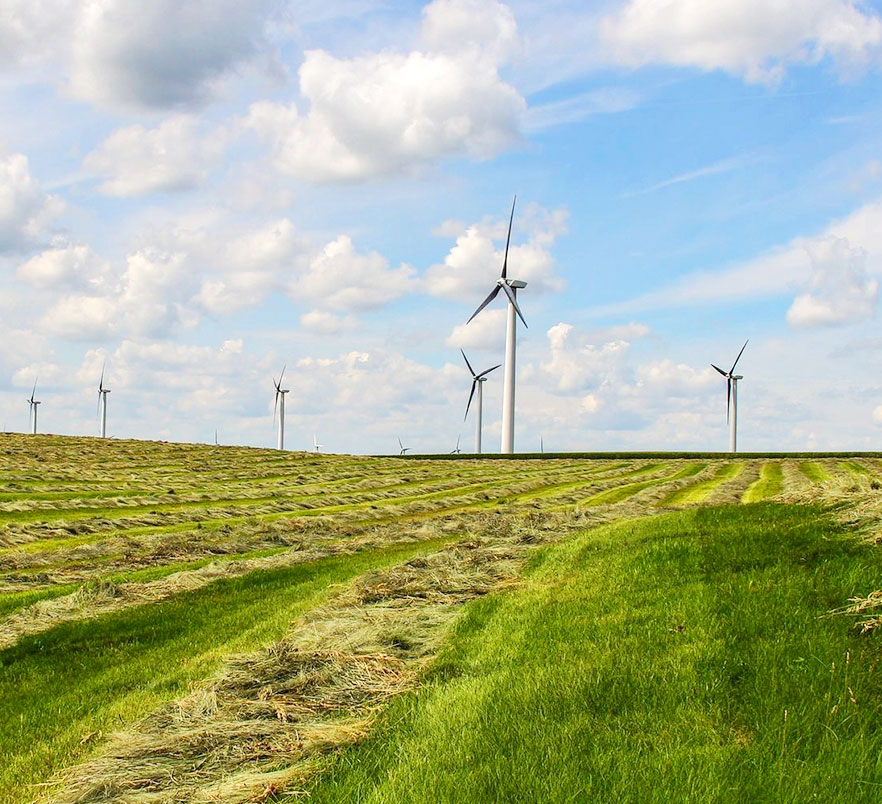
x,y
182,622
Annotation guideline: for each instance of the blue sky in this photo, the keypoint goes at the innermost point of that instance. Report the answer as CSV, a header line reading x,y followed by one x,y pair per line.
x,y
201,192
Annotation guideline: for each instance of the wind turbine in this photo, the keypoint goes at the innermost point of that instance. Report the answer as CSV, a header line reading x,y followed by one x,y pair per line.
x,y
510,287
315,443
732,399
279,407
403,449
456,450
102,403
32,409
478,381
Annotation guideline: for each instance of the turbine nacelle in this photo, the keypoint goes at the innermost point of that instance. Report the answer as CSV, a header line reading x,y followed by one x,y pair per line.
x,y
731,377
476,378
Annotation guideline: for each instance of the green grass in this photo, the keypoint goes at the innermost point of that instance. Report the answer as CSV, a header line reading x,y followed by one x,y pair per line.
x,y
94,675
769,484
11,602
814,471
682,658
622,492
699,492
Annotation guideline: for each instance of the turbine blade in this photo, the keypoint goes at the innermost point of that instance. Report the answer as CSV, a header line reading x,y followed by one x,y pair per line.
x,y
511,297
485,373
718,369
101,381
400,444
471,370
728,397
739,356
508,240
275,408
469,404
282,374
486,302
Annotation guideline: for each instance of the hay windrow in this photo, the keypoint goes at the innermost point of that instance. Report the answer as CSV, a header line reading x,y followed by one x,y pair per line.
x,y
266,720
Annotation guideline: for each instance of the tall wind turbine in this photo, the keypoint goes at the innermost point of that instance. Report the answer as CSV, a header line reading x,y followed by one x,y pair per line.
x,y
510,287
102,403
32,409
478,381
279,407
456,450
732,399
316,444
402,448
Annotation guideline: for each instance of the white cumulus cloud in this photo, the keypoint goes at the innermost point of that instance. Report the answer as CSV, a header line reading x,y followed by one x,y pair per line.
x,y
752,39
339,278
473,264
65,267
840,292
162,54
392,112
25,209
173,156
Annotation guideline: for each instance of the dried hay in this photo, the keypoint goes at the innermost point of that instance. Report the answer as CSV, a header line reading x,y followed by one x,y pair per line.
x,y
263,724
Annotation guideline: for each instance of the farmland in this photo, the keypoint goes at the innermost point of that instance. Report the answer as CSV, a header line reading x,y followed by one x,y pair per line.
x,y
193,623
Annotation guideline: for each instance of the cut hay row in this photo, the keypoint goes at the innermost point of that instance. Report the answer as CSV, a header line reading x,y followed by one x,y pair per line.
x,y
262,725
484,477
769,483
38,538
702,487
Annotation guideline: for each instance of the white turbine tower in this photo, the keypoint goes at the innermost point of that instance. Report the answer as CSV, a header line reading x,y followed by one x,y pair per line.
x,y
478,381
102,403
279,408
316,444
510,287
732,399
32,409
402,448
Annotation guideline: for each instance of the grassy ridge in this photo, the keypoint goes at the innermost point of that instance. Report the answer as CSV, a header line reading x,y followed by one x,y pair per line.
x,y
681,658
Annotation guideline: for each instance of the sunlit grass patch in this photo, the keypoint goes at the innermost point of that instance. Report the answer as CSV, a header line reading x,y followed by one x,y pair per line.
x,y
683,658
699,492
81,678
769,484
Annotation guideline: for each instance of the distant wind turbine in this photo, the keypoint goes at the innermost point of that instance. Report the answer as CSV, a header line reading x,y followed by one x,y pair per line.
x,y
102,403
315,443
732,399
279,407
456,450
510,287
32,409
478,381
403,449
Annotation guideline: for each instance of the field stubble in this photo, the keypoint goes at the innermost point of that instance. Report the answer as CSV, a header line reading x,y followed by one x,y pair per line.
x,y
320,687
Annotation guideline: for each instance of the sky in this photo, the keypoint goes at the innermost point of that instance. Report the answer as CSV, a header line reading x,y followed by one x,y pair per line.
x,y
199,193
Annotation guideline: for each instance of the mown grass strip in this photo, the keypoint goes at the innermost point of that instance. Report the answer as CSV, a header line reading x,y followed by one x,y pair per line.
x,y
699,492
82,678
769,484
119,529
626,490
816,472
683,658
